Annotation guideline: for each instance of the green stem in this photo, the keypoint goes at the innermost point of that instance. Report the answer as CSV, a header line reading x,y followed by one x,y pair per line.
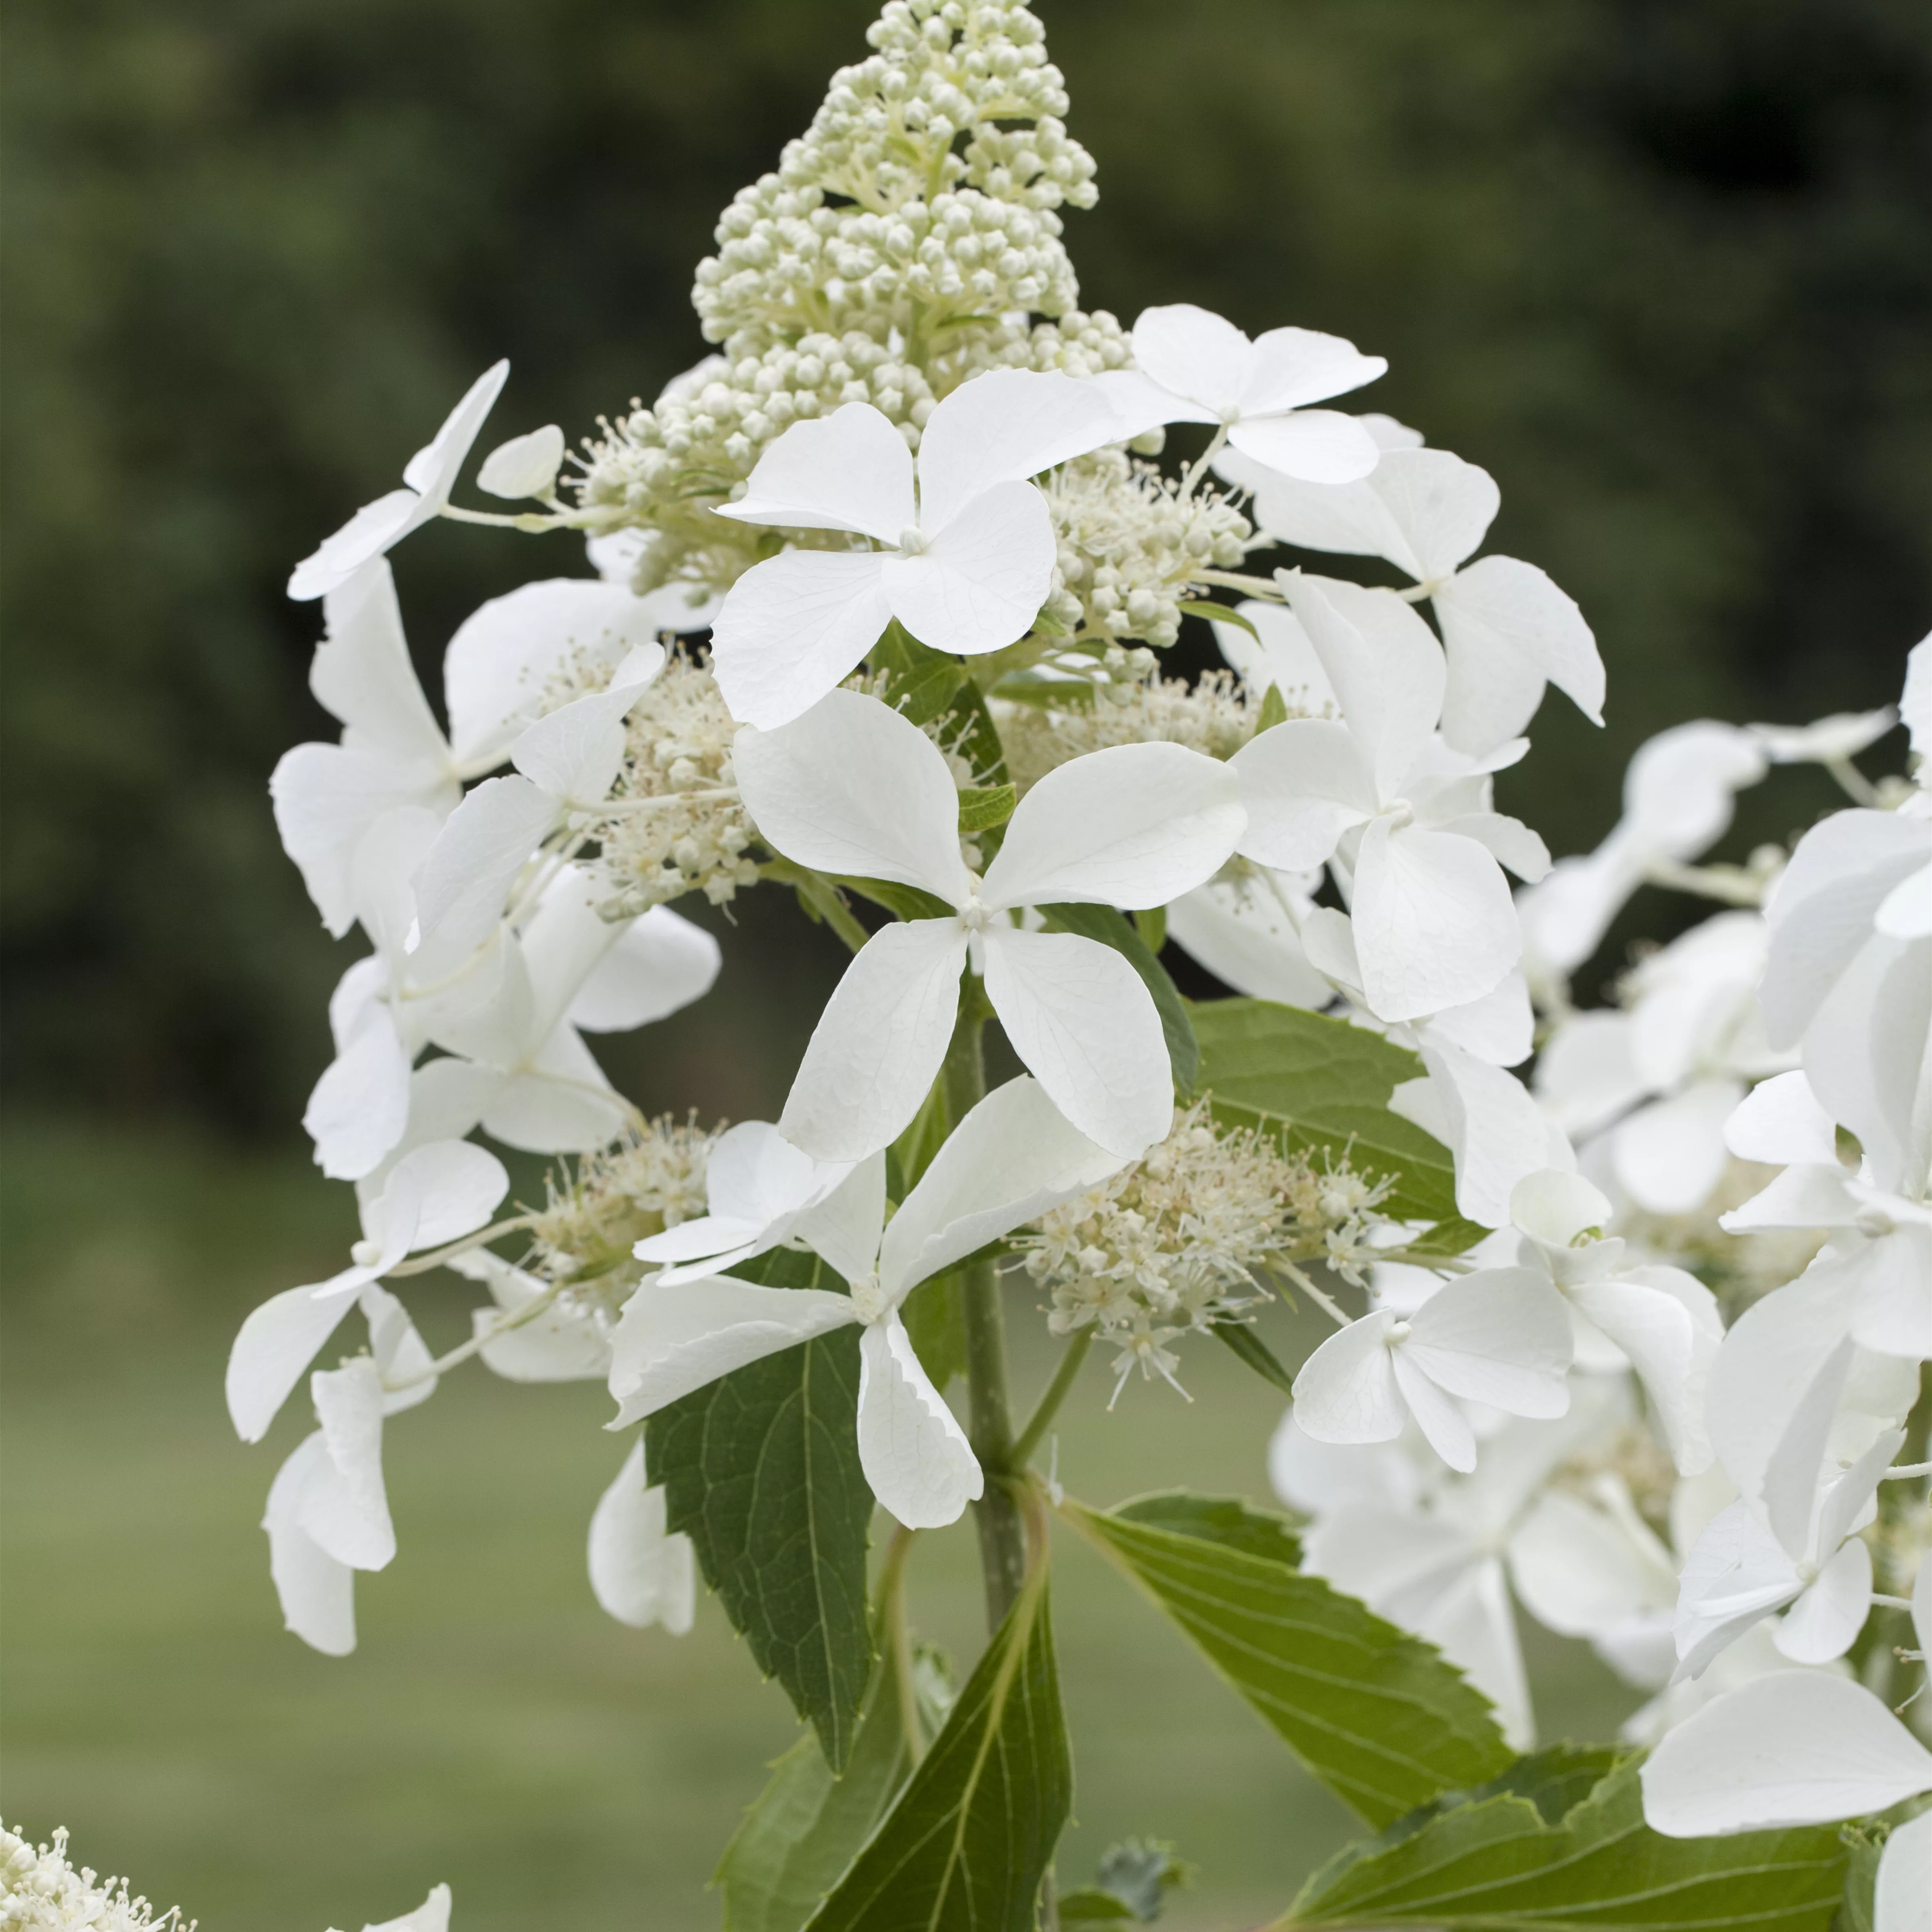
x,y
898,1639
1048,1406
1003,1555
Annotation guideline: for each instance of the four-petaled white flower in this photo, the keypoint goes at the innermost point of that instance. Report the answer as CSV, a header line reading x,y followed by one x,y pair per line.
x,y
1194,366
852,789
1506,629
428,477
966,560
1377,791
1011,1159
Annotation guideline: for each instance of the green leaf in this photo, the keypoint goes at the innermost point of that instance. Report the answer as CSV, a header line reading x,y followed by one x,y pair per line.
x,y
760,1470
1454,1236
1242,1340
1219,613
1322,1085
1228,1520
981,807
808,1824
1858,1904
1375,1713
902,902
1114,929
1151,922
1560,1843
1053,691
968,1844
1090,1906
935,1320
925,685
1274,710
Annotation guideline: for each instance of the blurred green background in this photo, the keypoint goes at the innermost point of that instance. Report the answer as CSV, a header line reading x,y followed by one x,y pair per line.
x,y
1663,266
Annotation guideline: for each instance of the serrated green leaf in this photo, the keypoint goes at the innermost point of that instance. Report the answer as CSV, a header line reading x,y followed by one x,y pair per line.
x,y
1321,1085
1228,1520
1241,1339
965,1847
760,1470
1528,1851
902,902
1274,710
925,685
1113,928
1219,613
983,807
1375,1713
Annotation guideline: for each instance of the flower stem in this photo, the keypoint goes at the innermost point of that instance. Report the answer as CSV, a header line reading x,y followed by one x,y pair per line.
x,y
1003,1556
1049,1405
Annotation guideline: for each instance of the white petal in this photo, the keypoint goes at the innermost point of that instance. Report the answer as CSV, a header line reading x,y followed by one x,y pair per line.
x,y
659,965
1139,404
792,627
362,672
1473,1624
1667,1322
980,583
317,1593
1823,1622
1352,519
1486,1116
639,1574
1444,1427
432,1916
1133,826
403,1363
465,882
1013,1157
1906,911
1800,1197
755,1175
525,465
1798,1747
1501,1337
375,528
1442,505
1506,628
1281,655
1385,666
912,1451
849,471
1736,1574
1902,1900
1868,1055
1345,1391
843,1228
497,671
1585,1075
670,1341
1554,1206
1086,1027
1780,1121
1434,924
360,1107
1894,1314
1507,839
852,787
575,751
560,1102
342,1506
1194,353
1580,1574
434,468
1303,784
1671,1154
1314,445
1915,702
460,1186
1238,930
1290,366
1004,427
880,1043
1679,787
1500,1028
277,1342
555,1346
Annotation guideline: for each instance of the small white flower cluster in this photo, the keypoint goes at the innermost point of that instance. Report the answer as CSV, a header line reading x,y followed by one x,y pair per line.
x,y
1216,715
677,745
1174,1243
1131,542
41,1891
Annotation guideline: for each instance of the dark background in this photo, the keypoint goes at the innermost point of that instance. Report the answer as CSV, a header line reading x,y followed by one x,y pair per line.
x,y
1663,266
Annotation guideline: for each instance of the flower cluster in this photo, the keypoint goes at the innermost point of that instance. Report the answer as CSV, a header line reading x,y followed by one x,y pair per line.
x,y
41,1891
1216,715
1179,1241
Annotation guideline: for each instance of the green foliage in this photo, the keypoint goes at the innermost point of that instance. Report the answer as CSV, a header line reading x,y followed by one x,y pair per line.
x,y
760,1470
983,807
968,1844
1113,928
1274,710
925,684
808,1822
1560,1841
1322,1087
1224,613
1376,1714
936,1320
1858,1906
1229,1520
1240,1338
1131,1885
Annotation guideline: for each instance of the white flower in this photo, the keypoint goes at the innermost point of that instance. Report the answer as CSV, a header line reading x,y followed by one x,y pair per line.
x,y
1499,1338
966,560
1276,654
432,1916
1012,1158
852,789
760,1190
435,1195
640,1574
1434,925
525,465
1506,628
531,1333
1245,926
328,1512
1798,1747
1195,366
428,478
